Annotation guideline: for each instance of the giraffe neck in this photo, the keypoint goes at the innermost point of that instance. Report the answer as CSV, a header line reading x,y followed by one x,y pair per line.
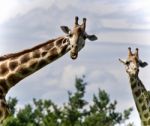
x,y
142,100
15,67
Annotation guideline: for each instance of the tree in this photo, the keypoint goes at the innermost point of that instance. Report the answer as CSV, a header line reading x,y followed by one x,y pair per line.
x,y
74,113
103,112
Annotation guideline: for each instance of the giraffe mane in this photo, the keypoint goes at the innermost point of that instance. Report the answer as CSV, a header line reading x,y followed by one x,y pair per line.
x,y
13,55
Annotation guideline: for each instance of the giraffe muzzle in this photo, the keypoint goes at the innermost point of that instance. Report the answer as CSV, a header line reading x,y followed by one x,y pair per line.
x,y
74,55
74,52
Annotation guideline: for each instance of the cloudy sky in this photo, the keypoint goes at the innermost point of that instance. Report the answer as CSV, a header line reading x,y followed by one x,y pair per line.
x,y
118,25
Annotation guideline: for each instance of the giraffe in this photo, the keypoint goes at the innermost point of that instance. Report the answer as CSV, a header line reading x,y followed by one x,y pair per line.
x,y
140,94
17,66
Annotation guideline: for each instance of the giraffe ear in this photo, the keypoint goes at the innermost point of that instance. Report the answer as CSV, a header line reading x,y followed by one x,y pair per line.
x,y
92,37
65,29
122,61
142,64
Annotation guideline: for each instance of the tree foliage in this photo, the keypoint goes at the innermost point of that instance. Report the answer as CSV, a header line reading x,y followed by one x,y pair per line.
x,y
76,112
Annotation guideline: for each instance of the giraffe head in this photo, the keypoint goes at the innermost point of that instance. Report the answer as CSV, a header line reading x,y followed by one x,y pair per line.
x,y
77,37
133,63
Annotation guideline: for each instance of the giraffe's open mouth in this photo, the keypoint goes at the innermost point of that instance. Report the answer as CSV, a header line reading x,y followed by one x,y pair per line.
x,y
74,55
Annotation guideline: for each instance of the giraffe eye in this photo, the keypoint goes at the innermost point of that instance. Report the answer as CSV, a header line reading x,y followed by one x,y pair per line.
x,y
70,35
128,62
84,37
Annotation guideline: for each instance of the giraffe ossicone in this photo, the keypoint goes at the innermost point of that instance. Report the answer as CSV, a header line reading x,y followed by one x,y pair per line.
x,y
140,94
16,66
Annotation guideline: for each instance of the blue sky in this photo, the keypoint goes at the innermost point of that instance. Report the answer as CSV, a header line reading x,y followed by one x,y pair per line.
x,y
118,25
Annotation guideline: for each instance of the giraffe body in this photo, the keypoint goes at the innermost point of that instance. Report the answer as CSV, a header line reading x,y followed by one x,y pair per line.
x,y
140,94
17,66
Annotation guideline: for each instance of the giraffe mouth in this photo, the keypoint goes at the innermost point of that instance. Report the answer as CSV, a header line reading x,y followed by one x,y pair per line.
x,y
74,55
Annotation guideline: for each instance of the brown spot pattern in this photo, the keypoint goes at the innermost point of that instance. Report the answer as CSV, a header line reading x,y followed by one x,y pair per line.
x,y
137,93
53,54
63,49
3,104
131,79
146,123
1,96
13,65
146,115
13,79
3,70
42,63
133,86
4,85
59,42
44,53
1,113
23,71
149,121
36,54
1,93
143,107
52,57
33,64
25,58
140,100
49,46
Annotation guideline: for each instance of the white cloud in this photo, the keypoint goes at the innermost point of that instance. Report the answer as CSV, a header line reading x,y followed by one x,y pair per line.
x,y
141,4
9,8
143,26
26,6
115,23
69,73
136,5
65,3
141,38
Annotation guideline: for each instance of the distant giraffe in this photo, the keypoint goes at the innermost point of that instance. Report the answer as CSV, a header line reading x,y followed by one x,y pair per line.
x,y
15,67
140,94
